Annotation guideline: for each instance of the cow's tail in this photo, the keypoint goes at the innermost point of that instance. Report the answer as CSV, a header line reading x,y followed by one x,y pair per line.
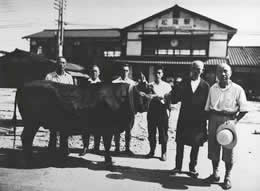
x,y
14,120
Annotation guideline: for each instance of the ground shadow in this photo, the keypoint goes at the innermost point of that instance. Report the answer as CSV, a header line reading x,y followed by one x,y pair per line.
x,y
156,176
10,158
14,158
121,154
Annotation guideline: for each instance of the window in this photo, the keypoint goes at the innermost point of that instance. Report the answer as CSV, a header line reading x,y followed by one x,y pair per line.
x,y
39,50
201,52
186,21
175,21
177,52
184,52
112,53
162,52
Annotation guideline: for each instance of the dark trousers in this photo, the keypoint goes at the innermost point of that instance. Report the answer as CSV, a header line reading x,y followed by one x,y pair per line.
x,y
193,156
157,118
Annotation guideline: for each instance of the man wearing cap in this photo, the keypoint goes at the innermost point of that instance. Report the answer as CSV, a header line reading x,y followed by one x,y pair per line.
x,y
191,126
59,76
124,78
227,104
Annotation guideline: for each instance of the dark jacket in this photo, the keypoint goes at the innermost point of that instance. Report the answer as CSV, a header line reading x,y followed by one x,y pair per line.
x,y
191,126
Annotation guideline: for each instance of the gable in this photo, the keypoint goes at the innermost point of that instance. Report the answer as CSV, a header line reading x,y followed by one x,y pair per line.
x,y
178,18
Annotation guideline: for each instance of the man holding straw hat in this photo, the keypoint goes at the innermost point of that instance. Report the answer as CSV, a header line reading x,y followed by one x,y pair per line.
x,y
226,105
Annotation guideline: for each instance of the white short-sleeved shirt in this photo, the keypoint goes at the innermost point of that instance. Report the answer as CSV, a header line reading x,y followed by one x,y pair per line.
x,y
65,78
127,80
230,99
162,88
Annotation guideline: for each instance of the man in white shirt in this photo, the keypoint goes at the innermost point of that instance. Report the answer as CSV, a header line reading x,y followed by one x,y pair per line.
x,y
94,75
157,115
60,75
124,78
226,103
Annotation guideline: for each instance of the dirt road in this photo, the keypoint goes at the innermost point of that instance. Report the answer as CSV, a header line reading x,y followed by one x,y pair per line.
x,y
128,173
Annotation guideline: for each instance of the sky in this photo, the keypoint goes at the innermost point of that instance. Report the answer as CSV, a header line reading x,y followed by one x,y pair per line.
x,y
19,18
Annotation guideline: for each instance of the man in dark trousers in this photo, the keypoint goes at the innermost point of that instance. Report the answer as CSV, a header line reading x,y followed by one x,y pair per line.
x,y
191,126
157,116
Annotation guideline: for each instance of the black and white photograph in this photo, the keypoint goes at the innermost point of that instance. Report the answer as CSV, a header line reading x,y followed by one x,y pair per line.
x,y
129,95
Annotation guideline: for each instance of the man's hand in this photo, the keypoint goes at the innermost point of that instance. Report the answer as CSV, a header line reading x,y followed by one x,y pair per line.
x,y
232,122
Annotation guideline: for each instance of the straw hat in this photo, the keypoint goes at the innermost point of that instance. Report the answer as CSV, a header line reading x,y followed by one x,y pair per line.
x,y
226,135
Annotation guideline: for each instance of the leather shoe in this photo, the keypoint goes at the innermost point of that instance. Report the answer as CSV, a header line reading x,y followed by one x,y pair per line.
x,y
211,179
163,157
194,173
227,184
175,171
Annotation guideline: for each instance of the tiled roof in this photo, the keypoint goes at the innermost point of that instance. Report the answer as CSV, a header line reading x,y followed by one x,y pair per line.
x,y
77,33
212,61
244,56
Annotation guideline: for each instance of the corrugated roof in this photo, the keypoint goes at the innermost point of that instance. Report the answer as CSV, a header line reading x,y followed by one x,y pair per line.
x,y
79,33
244,56
212,61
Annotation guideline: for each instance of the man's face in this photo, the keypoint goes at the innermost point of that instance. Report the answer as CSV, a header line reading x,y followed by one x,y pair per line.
x,y
95,72
125,72
223,73
195,71
158,74
61,64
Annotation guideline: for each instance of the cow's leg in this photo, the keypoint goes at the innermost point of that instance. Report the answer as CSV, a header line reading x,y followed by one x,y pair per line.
x,y
64,149
85,140
28,134
107,143
52,141
128,137
97,139
117,142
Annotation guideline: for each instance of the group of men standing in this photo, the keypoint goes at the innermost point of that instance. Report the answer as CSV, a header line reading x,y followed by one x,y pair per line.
x,y
222,102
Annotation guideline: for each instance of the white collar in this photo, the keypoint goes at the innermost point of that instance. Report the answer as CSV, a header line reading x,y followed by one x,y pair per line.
x,y
196,81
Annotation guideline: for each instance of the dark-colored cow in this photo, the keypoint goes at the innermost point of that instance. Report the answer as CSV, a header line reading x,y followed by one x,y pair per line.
x,y
102,109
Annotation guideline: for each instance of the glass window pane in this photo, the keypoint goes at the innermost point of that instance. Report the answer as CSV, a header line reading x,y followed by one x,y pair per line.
x,y
185,52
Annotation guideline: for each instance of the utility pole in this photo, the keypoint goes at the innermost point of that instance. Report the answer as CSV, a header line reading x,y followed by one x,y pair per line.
x,y
59,5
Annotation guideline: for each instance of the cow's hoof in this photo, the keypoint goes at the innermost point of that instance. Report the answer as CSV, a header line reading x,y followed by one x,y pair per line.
x,y
108,159
85,151
52,149
129,152
149,155
109,165
96,150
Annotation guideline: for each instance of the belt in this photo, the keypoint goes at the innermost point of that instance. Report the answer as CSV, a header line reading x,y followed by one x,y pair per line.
x,y
224,113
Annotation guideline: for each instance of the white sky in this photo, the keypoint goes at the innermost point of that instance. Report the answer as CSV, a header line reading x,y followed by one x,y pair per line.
x,y
19,18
